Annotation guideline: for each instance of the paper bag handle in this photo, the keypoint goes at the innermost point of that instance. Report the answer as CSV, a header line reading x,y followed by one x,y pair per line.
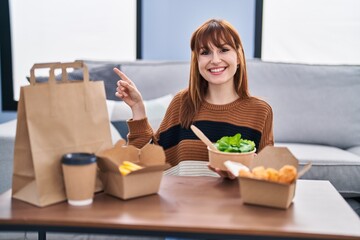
x,y
57,65
64,66
38,66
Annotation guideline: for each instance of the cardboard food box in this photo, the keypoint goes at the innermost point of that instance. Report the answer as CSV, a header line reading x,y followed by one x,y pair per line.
x,y
265,192
138,183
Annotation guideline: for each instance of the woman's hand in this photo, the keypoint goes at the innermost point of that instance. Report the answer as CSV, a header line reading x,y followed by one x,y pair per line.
x,y
222,173
127,91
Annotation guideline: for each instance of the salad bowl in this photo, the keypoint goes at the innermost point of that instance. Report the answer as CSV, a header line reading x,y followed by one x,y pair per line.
x,y
218,158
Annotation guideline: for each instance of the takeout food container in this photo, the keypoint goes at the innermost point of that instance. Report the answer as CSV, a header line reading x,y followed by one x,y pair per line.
x,y
265,192
138,183
218,158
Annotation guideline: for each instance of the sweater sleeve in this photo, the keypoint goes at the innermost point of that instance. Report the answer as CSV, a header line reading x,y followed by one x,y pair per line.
x,y
267,137
140,132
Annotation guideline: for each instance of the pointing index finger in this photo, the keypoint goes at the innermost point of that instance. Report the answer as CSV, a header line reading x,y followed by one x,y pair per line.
x,y
121,75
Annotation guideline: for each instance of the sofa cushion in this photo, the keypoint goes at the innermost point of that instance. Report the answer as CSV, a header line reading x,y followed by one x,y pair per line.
x,y
355,150
354,204
329,163
311,103
120,112
156,79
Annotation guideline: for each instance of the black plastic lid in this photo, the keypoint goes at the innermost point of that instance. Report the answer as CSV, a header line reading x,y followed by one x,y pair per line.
x,y
78,158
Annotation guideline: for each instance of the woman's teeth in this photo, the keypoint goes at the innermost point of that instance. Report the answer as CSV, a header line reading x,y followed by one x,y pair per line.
x,y
216,70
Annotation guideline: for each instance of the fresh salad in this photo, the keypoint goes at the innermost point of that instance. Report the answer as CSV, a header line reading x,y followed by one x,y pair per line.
x,y
234,144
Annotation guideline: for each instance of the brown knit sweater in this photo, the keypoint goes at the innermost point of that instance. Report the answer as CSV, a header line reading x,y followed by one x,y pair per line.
x,y
252,117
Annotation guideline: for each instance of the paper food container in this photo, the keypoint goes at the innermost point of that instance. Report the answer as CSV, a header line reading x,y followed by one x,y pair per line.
x,y
138,183
265,192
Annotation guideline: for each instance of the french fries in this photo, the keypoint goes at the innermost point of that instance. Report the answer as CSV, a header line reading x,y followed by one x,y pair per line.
x,y
127,167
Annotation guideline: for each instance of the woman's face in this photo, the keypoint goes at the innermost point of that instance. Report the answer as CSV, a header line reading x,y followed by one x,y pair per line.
x,y
218,65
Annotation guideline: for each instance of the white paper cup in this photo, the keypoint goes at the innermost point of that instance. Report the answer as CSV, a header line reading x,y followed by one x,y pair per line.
x,y
79,171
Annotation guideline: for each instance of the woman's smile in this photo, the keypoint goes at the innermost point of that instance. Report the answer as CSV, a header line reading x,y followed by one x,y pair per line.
x,y
217,70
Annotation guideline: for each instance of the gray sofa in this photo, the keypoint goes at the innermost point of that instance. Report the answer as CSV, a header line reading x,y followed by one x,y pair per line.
x,y
316,112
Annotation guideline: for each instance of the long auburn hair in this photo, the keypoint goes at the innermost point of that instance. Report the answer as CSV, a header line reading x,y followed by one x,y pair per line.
x,y
215,32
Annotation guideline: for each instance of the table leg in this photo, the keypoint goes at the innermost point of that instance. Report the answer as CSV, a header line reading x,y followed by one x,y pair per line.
x,y
42,235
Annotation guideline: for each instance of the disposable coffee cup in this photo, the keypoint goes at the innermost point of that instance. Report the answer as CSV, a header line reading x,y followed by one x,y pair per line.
x,y
79,171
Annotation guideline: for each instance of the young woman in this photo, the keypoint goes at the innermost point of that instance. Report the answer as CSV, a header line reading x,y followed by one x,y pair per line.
x,y
217,100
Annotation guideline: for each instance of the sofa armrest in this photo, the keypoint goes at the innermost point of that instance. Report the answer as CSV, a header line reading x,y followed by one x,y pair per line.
x,y
7,140
355,150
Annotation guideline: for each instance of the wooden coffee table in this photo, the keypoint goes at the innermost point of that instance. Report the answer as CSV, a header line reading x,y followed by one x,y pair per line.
x,y
195,207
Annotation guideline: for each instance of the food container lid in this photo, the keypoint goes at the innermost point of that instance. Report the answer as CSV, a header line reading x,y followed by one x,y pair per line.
x,y
78,158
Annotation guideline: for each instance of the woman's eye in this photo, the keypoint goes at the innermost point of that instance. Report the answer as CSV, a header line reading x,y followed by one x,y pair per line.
x,y
204,52
225,50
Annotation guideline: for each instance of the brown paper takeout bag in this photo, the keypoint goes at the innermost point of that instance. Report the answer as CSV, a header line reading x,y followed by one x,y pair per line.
x,y
55,118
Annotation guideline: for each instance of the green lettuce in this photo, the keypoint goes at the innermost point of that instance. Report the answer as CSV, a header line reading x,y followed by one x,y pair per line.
x,y
234,144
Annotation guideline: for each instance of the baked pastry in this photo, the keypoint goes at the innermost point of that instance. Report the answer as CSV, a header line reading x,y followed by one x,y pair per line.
x,y
287,174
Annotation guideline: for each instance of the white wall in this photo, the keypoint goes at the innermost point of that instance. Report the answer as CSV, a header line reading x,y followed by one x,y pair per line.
x,y
66,30
311,31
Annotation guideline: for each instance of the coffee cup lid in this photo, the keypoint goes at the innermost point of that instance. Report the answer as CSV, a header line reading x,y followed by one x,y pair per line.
x,y
78,158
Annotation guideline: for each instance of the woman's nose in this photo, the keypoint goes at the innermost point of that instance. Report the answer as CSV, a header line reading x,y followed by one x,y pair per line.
x,y
215,58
